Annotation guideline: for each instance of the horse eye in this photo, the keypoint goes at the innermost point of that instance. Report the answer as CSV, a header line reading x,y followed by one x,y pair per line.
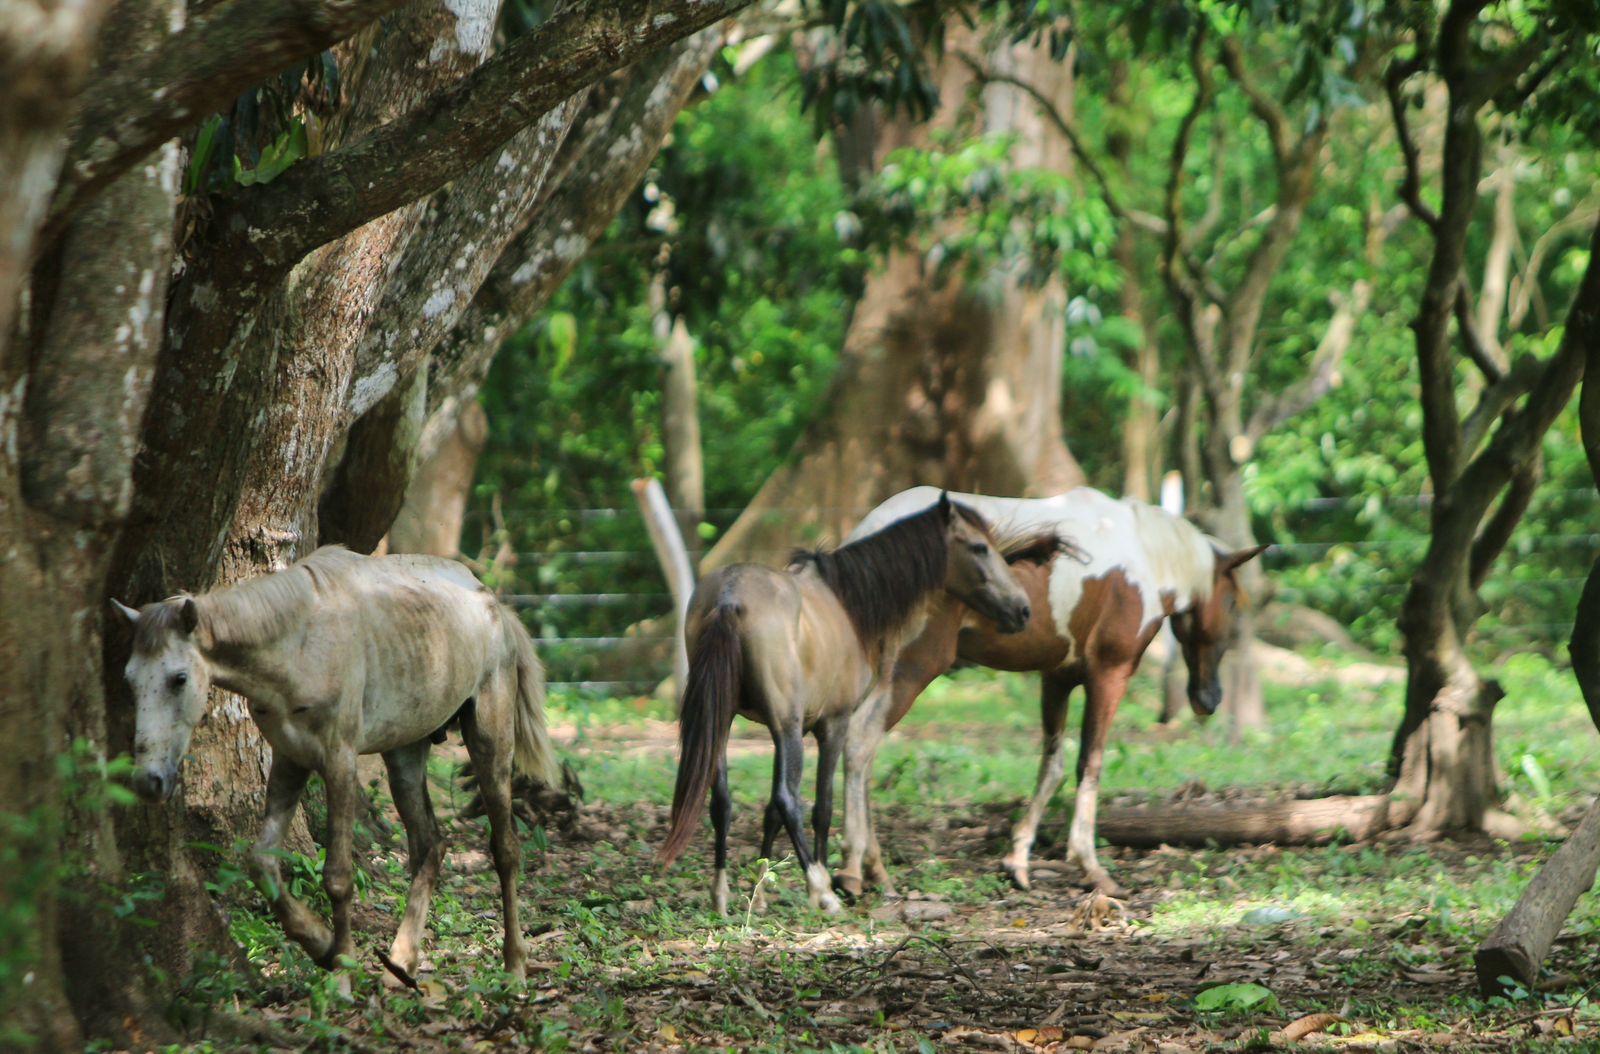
x,y
179,680
978,548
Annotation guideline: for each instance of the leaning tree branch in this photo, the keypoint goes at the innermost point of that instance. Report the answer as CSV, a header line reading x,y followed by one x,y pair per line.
x,y
1262,105
1496,533
1518,945
1411,185
1080,150
609,157
320,199
220,53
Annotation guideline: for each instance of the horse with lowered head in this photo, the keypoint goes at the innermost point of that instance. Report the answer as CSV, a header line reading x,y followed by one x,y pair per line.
x,y
1093,615
799,649
339,655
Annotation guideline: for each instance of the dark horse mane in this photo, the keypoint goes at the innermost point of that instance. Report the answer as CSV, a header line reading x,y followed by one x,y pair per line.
x,y
880,578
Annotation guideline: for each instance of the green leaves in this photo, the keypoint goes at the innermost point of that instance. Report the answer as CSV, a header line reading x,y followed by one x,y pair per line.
x,y
282,152
966,208
1236,999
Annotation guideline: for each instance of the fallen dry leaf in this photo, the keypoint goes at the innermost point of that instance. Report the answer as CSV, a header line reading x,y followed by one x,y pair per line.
x,y
1298,1029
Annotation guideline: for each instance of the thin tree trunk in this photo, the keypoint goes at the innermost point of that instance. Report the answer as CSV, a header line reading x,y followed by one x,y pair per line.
x,y
435,503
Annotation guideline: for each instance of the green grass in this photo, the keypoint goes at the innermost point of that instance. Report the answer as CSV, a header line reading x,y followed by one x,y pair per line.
x,y
975,736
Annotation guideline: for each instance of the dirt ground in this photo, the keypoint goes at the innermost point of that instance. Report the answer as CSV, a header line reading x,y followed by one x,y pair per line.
x,y
1049,969
626,957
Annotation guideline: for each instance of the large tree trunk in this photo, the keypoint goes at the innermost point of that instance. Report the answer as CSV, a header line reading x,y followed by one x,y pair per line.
x,y
942,384
45,50
244,339
65,479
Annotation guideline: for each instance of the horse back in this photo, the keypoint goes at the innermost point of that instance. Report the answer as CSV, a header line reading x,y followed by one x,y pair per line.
x,y
431,636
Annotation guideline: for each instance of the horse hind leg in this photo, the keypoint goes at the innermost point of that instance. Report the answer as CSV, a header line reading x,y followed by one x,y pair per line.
x,y
408,785
489,731
861,856
721,816
1053,696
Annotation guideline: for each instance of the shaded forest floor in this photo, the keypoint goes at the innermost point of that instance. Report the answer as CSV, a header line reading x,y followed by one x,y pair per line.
x,y
626,957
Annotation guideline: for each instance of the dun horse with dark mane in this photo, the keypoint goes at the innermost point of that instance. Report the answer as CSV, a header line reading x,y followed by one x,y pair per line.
x,y
798,650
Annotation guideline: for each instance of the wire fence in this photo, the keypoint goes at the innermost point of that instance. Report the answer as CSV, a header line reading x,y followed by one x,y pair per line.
x,y
603,616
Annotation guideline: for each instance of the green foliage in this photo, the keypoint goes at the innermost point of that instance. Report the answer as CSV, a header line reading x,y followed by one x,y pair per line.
x,y
966,206
35,862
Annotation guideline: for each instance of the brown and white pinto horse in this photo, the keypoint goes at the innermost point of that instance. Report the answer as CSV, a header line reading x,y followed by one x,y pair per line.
x,y
1092,618
799,649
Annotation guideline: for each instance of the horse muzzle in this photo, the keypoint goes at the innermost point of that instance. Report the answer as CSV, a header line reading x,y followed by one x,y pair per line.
x,y
155,783
1206,699
1014,619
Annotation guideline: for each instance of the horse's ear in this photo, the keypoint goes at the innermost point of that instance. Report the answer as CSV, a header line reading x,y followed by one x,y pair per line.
x,y
189,614
131,614
1243,556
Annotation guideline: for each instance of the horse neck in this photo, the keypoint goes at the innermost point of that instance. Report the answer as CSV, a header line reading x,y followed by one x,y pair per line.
x,y
885,581
242,644
1181,562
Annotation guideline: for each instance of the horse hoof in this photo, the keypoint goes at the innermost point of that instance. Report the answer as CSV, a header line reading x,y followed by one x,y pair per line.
x,y
829,904
847,886
1019,877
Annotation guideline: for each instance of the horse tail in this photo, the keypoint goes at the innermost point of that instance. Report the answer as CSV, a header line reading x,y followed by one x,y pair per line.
x,y
533,753
710,700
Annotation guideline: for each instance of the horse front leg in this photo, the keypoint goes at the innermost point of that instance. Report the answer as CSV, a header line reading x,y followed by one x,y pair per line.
x,y
830,743
286,781
1104,694
788,767
1054,691
338,873
408,785
865,733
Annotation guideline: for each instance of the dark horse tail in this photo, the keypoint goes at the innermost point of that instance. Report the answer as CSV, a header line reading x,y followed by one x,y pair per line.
x,y
710,700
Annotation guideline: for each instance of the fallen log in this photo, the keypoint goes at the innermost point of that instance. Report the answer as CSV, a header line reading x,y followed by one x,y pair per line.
x,y
1311,821
1517,947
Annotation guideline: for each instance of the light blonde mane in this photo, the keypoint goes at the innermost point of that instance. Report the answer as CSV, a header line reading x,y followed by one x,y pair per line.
x,y
1181,556
263,609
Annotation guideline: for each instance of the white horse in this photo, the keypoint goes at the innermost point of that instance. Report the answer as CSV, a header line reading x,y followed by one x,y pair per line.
x,y
1093,617
341,655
